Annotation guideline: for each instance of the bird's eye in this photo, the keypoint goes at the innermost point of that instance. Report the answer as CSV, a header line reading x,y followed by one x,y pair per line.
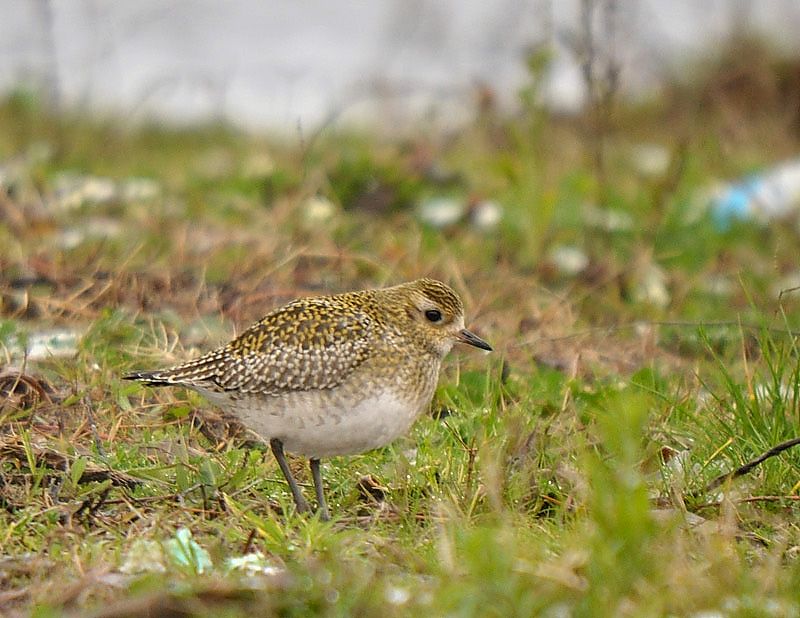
x,y
433,315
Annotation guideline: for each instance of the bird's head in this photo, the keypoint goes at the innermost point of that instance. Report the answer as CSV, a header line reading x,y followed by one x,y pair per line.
x,y
437,315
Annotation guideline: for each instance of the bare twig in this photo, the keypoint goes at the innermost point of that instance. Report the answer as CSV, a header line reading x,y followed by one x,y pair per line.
x,y
248,546
742,470
92,504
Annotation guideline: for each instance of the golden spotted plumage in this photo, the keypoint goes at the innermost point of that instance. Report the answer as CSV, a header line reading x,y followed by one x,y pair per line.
x,y
332,374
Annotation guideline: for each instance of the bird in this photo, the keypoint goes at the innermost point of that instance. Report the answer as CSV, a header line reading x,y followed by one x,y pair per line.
x,y
331,375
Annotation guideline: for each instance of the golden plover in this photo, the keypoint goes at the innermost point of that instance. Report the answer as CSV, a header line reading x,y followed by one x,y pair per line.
x,y
331,375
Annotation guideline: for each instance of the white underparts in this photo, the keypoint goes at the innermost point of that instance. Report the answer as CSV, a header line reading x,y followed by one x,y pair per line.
x,y
319,424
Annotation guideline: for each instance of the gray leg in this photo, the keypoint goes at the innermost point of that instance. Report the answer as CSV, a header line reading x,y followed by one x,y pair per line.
x,y
317,475
277,450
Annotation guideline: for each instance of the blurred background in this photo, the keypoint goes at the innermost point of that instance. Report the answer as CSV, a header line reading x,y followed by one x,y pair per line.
x,y
283,65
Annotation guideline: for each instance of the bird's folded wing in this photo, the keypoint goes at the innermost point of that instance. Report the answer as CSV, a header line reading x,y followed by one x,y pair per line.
x,y
303,346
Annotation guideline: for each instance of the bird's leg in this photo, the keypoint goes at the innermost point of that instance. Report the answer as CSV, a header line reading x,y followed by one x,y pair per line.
x,y
277,450
317,476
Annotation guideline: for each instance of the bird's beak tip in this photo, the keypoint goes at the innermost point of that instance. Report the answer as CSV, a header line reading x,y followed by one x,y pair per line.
x,y
464,336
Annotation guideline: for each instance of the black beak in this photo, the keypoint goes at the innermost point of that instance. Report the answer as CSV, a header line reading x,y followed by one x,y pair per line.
x,y
464,336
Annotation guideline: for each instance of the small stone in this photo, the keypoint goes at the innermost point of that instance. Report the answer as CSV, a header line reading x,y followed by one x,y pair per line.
x,y
486,215
396,595
318,210
652,286
568,260
441,212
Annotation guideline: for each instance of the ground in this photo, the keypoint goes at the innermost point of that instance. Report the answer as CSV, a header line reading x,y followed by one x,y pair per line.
x,y
643,349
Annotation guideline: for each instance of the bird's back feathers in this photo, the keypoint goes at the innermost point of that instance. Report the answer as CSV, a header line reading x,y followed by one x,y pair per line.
x,y
311,343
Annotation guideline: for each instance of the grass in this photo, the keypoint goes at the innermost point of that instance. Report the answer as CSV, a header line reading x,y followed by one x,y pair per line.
x,y
568,473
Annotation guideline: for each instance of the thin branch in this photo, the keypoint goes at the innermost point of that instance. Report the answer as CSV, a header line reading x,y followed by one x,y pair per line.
x,y
742,470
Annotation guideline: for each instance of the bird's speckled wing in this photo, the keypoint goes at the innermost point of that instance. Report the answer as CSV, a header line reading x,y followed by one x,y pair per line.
x,y
308,344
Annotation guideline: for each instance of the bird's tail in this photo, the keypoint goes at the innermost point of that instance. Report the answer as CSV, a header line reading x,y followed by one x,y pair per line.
x,y
197,372
152,378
